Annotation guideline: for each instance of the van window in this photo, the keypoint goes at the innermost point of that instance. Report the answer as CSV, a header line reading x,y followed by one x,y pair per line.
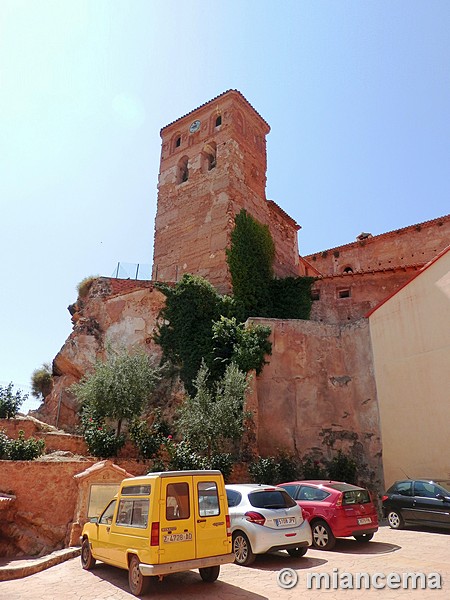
x,y
208,499
177,501
106,517
136,490
133,513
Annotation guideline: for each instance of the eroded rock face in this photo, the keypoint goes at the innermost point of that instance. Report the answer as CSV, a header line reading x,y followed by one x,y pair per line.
x,y
116,312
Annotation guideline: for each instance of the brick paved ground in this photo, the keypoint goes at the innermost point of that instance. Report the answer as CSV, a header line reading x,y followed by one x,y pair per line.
x,y
390,551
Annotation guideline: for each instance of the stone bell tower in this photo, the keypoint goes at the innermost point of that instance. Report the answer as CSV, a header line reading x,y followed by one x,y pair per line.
x,y
213,164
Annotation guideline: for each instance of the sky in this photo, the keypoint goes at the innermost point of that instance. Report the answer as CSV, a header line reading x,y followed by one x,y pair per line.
x,y
357,94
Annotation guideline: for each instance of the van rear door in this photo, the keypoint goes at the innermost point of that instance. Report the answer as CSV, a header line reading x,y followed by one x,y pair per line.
x,y
177,530
210,514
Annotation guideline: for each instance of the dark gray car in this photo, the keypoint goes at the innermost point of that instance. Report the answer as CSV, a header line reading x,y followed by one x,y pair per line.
x,y
417,501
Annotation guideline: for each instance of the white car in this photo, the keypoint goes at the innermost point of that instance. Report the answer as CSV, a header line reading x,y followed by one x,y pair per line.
x,y
264,518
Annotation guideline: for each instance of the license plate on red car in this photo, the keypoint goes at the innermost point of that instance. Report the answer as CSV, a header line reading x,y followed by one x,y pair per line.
x,y
364,521
285,521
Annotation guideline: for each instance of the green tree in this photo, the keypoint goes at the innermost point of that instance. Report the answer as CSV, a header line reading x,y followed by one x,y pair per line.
x,y
210,418
119,387
250,260
10,402
41,381
245,346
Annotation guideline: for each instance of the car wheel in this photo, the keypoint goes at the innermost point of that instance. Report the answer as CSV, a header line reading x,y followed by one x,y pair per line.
x,y
323,537
209,574
395,520
87,560
243,554
137,582
297,552
363,537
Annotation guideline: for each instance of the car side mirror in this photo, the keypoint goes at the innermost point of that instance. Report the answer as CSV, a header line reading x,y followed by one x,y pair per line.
x,y
93,520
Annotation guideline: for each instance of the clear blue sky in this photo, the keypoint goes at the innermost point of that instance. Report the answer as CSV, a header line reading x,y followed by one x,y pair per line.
x,y
357,94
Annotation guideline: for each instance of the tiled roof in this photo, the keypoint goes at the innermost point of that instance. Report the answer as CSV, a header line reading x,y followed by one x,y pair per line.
x,y
387,233
414,266
213,100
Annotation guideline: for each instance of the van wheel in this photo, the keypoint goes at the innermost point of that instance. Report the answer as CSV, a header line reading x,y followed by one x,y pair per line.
x,y
137,582
323,537
87,560
297,552
362,538
243,554
209,574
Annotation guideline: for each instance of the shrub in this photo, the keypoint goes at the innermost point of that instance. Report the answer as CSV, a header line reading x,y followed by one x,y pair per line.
x,y
275,469
183,457
223,462
313,468
103,442
10,402
342,468
4,445
264,470
148,439
41,381
85,285
22,449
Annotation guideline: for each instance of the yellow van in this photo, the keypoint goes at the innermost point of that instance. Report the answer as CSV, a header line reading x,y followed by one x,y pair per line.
x,y
162,523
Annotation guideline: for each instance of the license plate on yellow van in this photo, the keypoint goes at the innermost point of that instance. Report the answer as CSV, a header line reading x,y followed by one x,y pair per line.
x,y
178,537
285,521
364,521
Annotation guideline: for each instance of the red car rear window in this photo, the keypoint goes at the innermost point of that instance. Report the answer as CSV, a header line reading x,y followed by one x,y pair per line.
x,y
356,497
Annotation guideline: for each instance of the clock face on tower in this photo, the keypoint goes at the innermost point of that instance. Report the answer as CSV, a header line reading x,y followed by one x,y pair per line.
x,y
195,126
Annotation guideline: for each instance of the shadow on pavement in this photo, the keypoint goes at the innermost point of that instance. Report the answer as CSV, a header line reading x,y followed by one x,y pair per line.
x,y
349,546
186,585
281,560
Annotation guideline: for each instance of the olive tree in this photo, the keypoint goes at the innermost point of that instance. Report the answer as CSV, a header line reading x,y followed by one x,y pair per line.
x,y
119,387
210,418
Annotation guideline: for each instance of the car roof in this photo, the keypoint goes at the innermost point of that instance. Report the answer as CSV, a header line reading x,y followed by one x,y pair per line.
x,y
248,487
341,486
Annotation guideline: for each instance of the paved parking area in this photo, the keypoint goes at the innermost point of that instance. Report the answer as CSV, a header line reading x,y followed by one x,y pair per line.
x,y
390,552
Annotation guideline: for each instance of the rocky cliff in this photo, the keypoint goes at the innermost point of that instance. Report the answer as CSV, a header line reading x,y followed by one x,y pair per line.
x,y
115,312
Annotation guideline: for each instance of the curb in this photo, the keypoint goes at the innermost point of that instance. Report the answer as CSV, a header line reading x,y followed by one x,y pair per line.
x,y
16,569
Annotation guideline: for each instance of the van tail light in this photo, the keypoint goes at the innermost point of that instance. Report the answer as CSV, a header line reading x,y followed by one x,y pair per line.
x,y
339,500
255,517
227,521
154,536
383,498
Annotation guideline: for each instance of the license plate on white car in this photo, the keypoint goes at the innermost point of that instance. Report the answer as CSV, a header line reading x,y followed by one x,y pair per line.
x,y
285,521
364,521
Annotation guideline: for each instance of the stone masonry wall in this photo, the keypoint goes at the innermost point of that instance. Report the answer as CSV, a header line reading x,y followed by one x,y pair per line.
x,y
45,497
317,394
412,245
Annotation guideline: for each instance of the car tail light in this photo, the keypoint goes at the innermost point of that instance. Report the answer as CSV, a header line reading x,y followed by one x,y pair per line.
x,y
255,517
154,536
383,498
227,521
339,500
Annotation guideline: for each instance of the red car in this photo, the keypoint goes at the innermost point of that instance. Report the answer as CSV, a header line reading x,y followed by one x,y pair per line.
x,y
335,509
